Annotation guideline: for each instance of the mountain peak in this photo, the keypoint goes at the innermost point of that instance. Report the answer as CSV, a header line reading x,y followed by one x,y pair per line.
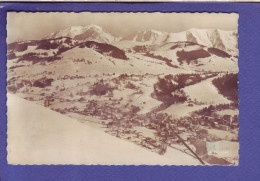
x,y
82,33
145,35
93,26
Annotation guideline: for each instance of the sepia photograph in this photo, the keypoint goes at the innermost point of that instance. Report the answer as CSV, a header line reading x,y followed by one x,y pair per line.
x,y
96,88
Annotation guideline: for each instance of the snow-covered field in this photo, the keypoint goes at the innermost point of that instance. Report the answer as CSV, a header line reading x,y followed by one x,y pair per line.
x,y
205,92
37,135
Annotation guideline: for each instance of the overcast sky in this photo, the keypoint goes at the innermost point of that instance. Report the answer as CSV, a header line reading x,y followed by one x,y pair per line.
x,y
32,26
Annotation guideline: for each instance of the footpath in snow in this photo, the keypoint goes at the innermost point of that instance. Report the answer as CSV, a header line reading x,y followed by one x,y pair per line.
x,y
37,135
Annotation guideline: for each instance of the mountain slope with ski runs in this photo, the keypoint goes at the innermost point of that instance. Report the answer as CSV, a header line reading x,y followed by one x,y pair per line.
x,y
124,85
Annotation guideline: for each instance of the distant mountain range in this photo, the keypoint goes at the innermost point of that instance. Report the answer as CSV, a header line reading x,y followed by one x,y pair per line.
x,y
224,40
194,49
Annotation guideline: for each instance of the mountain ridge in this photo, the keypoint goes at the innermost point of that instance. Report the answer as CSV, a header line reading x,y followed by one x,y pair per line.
x,y
192,49
216,38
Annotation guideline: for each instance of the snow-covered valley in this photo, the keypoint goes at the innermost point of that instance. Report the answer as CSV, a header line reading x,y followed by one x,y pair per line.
x,y
135,95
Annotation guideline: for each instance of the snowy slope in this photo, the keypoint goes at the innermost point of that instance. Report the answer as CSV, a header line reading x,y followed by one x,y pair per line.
x,y
205,92
37,135
213,62
136,64
88,32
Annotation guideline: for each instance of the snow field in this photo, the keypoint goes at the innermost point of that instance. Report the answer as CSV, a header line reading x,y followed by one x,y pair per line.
x,y
37,135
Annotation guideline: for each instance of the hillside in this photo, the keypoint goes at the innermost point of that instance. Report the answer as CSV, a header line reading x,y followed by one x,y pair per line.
x,y
49,50
42,136
190,56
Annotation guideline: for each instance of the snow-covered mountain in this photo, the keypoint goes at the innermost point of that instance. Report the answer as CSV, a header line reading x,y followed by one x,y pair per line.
x,y
88,32
181,54
151,36
194,49
224,40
